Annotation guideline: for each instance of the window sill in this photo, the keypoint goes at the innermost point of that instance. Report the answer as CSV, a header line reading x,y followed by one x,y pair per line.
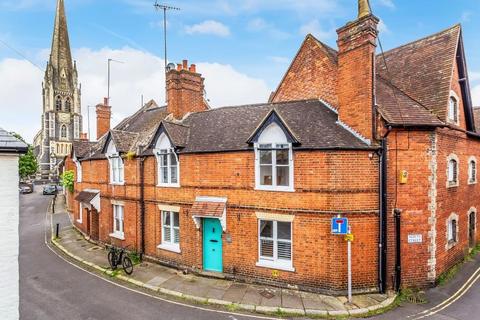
x,y
451,244
170,247
117,236
452,184
79,221
275,189
117,183
168,185
472,182
273,265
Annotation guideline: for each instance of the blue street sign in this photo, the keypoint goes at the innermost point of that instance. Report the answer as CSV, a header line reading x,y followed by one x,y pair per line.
x,y
339,226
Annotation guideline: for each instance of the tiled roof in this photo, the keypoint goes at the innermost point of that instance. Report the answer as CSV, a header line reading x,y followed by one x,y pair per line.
x,y
208,209
86,196
10,144
228,129
423,69
83,148
476,116
397,108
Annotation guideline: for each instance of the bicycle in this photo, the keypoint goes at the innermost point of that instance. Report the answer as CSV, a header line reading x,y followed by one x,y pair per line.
x,y
117,256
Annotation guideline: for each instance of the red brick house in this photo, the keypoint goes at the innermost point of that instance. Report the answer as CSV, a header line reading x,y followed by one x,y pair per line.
x,y
388,141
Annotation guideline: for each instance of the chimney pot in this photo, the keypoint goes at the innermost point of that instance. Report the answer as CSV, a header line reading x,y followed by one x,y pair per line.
x,y
179,66
185,64
193,68
105,101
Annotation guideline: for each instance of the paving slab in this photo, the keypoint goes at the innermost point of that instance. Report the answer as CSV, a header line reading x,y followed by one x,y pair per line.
x,y
334,303
291,299
235,293
275,300
173,283
252,296
215,293
364,301
314,301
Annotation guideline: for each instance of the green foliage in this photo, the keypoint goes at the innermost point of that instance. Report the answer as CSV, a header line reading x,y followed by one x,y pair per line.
x,y
68,178
27,164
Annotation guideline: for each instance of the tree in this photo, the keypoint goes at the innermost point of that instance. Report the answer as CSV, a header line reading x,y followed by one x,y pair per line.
x,y
27,164
68,180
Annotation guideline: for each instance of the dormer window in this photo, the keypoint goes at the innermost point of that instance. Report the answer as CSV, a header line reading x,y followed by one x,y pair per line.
x,y
273,160
453,110
58,103
167,162
116,165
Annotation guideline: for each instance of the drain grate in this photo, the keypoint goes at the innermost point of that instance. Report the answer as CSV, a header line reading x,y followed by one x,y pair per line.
x,y
267,294
417,298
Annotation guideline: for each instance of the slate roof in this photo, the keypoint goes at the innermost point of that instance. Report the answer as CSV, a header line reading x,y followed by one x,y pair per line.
x,y
86,196
10,144
228,129
83,148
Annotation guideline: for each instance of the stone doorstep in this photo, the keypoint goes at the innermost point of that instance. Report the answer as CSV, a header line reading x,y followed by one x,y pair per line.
x,y
247,307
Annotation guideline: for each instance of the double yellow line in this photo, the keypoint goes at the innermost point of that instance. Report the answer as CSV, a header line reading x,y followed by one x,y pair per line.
x,y
457,295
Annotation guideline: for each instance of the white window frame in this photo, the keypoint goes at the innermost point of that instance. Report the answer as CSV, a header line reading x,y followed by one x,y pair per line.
x,y
118,209
163,148
80,216
170,245
451,173
453,110
450,242
275,262
274,136
66,132
78,165
472,176
116,165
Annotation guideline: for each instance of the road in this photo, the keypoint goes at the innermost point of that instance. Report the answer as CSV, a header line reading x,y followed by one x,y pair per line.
x,y
53,288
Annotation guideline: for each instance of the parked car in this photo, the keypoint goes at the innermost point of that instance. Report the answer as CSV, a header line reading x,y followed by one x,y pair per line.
x,y
25,189
50,189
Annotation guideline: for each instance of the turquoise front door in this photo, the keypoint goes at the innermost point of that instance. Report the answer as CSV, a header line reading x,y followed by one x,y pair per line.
x,y
212,245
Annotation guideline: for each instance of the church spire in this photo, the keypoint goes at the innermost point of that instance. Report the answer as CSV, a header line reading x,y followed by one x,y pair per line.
x,y
61,57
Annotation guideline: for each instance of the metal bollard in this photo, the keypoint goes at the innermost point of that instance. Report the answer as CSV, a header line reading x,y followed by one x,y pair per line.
x,y
57,230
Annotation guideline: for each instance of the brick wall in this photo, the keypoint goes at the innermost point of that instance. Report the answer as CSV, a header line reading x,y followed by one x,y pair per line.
x,y
325,185
312,75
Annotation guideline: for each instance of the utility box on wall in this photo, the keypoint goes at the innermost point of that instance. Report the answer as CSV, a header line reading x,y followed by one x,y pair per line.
x,y
403,177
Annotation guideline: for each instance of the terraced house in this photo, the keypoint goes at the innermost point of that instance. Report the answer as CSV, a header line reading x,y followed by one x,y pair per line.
x,y
388,141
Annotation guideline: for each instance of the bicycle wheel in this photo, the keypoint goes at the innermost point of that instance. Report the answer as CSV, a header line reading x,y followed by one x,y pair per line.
x,y
112,260
127,265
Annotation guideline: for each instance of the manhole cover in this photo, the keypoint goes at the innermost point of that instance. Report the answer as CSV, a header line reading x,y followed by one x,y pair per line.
x,y
267,294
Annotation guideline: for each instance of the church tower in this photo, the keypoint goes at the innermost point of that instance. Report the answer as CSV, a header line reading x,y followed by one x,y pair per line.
x,y
62,113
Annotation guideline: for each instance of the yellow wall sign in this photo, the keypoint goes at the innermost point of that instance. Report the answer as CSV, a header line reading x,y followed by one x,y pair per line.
x,y
403,177
349,237
275,273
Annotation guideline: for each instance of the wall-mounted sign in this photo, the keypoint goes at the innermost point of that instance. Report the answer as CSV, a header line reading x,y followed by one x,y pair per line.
x,y
415,238
339,226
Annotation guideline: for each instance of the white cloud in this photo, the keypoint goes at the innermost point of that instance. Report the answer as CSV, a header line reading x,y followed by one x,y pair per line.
x,y
317,30
387,3
383,28
476,95
257,24
142,73
466,16
209,27
280,60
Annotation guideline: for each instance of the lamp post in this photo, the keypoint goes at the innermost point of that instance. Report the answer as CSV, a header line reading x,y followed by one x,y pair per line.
x,y
108,76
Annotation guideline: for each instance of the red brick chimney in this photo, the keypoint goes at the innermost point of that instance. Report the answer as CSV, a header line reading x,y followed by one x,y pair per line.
x,y
357,42
185,90
104,113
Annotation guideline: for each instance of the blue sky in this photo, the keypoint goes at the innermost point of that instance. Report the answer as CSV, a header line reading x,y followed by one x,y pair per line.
x,y
255,39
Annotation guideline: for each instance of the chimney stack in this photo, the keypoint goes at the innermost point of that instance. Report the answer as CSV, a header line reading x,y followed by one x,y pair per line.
x,y
357,42
185,88
104,113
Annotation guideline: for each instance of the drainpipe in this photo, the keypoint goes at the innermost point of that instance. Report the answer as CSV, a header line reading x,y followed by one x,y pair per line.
x,y
398,262
382,239
142,207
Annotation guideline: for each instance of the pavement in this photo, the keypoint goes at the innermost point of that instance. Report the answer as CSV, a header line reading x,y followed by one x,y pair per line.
x,y
202,290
